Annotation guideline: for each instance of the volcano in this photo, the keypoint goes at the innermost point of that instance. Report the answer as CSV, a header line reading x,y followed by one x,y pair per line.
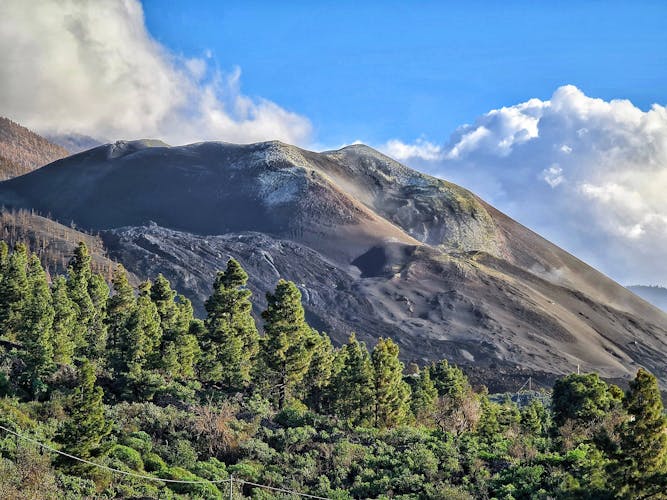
x,y
376,248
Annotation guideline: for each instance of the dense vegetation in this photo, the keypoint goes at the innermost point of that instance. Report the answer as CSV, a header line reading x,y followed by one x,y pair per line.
x,y
132,380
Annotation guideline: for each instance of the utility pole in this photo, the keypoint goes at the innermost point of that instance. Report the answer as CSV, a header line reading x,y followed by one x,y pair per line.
x,y
231,487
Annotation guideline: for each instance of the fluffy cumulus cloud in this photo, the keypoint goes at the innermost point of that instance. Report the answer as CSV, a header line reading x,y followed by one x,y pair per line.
x,y
90,66
589,174
421,149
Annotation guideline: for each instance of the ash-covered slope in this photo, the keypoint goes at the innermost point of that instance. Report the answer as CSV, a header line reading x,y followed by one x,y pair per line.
x,y
205,188
376,248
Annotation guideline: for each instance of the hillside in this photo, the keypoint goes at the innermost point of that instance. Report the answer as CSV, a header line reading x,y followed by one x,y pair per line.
x,y
376,248
22,151
54,242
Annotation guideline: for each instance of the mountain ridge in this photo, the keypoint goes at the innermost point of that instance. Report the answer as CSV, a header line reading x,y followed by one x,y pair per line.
x,y
375,247
22,150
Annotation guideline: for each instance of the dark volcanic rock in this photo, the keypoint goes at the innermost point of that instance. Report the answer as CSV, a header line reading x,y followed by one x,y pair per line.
x,y
434,306
190,262
375,247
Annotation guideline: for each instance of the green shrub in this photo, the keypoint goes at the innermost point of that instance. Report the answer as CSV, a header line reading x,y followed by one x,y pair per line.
x,y
128,456
76,487
213,470
295,415
14,416
140,441
257,406
201,490
246,469
182,454
421,460
257,449
175,391
153,462
296,438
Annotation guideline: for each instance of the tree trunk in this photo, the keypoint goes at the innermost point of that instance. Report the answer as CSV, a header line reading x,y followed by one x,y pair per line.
x,y
282,395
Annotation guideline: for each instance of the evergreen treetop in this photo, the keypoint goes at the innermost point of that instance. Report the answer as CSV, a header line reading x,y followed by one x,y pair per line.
x,y
35,328
391,392
87,425
232,339
643,466
285,345
14,291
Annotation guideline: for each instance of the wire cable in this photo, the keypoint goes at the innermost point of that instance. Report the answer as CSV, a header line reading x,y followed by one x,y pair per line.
x,y
231,480
101,466
282,490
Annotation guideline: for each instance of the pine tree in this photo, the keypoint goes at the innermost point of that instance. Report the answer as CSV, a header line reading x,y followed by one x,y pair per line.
x,y
163,297
137,350
147,320
643,439
35,329
198,329
186,314
284,348
390,391
582,399
424,395
97,329
318,377
171,364
13,291
489,428
232,341
64,321
179,349
189,350
351,388
449,380
198,332
4,258
120,308
534,418
189,353
78,278
89,292
86,425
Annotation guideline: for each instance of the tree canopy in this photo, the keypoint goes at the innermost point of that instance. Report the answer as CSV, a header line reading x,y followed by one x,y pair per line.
x,y
127,377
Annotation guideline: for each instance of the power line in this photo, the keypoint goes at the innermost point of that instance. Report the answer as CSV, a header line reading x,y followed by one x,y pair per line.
x,y
101,466
282,490
231,479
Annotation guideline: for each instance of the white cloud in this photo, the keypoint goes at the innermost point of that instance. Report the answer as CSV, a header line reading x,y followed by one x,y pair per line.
x,y
92,67
553,175
602,194
420,149
498,131
469,141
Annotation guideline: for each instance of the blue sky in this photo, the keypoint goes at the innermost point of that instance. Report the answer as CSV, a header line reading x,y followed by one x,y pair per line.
x,y
565,102
380,70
